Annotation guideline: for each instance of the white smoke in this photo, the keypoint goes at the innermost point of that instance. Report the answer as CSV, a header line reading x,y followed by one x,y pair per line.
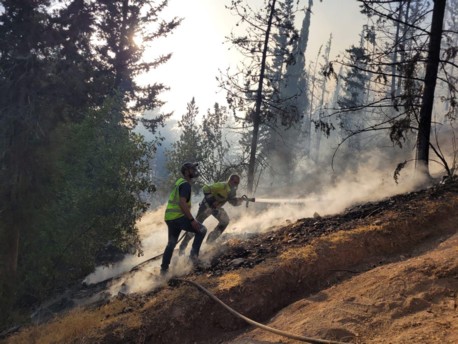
x,y
363,186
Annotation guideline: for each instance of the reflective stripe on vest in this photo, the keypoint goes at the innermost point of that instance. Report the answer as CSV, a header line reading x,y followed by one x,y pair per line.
x,y
173,210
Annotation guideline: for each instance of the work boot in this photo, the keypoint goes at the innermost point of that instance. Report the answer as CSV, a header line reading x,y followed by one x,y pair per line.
x,y
213,236
164,273
196,262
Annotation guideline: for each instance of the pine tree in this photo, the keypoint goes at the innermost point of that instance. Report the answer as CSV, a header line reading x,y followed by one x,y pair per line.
x,y
217,161
250,89
63,127
188,148
280,139
204,143
354,97
120,59
31,104
295,87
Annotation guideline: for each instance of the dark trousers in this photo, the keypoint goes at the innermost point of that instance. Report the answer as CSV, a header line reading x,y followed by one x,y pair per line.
x,y
174,229
202,214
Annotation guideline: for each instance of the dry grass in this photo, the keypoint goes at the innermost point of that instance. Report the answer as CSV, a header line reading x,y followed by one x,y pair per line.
x,y
229,281
77,323
307,253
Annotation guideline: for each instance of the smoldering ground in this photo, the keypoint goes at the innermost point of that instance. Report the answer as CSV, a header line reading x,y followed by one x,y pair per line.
x,y
276,207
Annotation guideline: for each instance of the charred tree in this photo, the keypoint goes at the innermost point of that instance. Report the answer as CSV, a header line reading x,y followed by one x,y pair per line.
x,y
427,101
252,90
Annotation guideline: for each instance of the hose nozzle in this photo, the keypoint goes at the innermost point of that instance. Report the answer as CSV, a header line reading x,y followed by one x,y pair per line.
x,y
246,199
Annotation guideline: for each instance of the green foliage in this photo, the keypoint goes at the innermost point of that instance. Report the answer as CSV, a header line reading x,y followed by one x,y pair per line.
x,y
188,147
204,143
72,172
100,169
120,59
354,97
218,163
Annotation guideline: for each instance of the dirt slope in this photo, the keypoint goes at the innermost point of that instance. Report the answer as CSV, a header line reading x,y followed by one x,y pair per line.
x,y
384,272
410,301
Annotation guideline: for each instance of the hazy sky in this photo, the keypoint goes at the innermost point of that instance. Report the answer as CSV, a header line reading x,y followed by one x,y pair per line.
x,y
198,49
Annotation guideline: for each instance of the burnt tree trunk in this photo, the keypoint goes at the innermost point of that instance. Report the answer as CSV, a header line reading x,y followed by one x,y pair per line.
x,y
257,112
432,64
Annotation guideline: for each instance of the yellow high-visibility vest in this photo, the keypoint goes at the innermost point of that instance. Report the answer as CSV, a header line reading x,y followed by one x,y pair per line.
x,y
173,210
220,191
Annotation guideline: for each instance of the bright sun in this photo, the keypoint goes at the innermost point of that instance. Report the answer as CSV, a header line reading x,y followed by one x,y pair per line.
x,y
197,54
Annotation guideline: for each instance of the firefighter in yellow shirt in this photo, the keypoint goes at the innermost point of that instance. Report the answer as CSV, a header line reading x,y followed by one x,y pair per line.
x,y
215,196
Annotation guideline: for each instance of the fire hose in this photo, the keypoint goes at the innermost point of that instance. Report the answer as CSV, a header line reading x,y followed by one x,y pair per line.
x,y
252,322
138,266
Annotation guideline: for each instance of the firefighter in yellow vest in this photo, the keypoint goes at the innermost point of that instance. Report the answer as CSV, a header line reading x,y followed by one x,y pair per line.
x,y
178,216
215,196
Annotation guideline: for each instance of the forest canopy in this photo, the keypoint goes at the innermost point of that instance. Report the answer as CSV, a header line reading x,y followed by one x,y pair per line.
x,y
72,169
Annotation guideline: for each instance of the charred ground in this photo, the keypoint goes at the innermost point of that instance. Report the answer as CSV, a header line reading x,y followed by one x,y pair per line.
x,y
381,272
